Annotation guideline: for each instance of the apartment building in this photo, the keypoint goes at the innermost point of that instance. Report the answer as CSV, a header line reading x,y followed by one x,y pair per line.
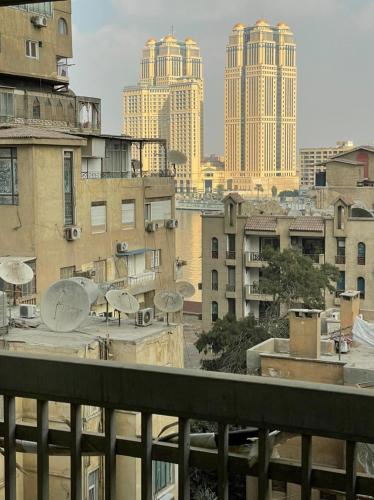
x,y
310,160
168,103
310,355
36,50
260,107
157,344
70,206
232,258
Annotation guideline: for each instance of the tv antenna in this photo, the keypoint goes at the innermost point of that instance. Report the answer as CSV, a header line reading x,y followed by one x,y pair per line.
x,y
123,302
90,286
185,288
65,305
168,302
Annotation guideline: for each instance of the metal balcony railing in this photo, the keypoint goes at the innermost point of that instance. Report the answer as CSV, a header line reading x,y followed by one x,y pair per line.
x,y
317,258
306,410
230,287
340,259
231,254
256,257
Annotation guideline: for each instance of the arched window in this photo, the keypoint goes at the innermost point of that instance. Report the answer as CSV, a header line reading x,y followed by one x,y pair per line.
x,y
62,26
340,217
214,248
36,109
214,311
231,214
361,286
214,280
361,253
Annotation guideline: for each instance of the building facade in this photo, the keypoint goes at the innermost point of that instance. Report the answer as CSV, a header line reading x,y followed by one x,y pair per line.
x,y
232,259
310,160
168,103
260,107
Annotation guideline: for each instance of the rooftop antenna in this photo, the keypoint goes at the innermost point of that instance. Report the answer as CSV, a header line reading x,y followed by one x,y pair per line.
x,y
122,301
65,305
168,302
90,286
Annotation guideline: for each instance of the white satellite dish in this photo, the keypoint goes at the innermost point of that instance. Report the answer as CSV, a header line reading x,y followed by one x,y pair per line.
x,y
16,272
185,288
90,286
65,305
122,301
168,302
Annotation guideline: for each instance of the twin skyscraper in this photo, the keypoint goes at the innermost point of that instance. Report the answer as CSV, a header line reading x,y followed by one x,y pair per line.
x,y
259,107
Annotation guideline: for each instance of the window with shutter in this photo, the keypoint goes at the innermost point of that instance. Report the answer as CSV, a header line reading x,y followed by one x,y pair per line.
x,y
98,217
128,213
159,210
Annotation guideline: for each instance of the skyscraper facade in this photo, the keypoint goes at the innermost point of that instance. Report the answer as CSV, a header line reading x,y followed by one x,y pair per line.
x,y
260,107
168,103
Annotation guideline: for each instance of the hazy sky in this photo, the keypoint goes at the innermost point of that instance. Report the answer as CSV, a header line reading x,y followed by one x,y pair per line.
x,y
335,41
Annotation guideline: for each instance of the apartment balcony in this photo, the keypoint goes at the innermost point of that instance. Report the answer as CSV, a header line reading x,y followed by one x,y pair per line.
x,y
252,292
240,400
230,258
254,259
317,258
340,259
142,282
230,291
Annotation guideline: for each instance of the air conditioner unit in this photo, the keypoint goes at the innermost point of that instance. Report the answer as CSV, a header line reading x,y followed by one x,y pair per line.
x,y
72,233
144,317
122,247
172,223
27,311
39,21
151,227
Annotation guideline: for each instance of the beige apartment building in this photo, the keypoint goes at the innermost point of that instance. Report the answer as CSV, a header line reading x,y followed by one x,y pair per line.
x,y
232,245
36,49
310,160
260,107
157,344
168,103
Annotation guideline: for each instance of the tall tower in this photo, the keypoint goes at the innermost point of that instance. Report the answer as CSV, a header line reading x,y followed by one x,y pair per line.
x,y
260,107
168,103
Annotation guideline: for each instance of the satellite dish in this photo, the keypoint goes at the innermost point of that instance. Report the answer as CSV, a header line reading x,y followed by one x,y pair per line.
x,y
122,301
185,288
168,302
65,305
90,286
16,273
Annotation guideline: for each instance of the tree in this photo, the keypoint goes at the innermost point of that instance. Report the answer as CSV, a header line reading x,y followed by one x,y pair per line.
x,y
274,191
292,278
259,189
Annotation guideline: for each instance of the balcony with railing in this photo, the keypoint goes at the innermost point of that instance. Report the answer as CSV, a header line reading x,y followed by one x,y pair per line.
x,y
230,255
142,282
254,259
317,258
230,290
339,259
253,292
307,410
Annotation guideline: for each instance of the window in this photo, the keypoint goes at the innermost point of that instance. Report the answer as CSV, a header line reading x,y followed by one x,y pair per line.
x,y
231,214
68,189
214,311
36,108
98,217
32,49
340,217
214,248
43,8
163,476
158,210
128,213
62,26
361,287
93,485
231,246
214,280
231,272
8,176
67,272
340,286
6,106
231,307
361,253
100,271
155,259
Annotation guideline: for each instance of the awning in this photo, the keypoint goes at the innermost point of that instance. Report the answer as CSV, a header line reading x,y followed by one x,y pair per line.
x,y
138,251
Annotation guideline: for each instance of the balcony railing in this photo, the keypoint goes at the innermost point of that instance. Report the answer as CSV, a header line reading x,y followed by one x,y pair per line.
x,y
141,278
231,254
361,260
317,258
230,287
306,410
256,256
340,259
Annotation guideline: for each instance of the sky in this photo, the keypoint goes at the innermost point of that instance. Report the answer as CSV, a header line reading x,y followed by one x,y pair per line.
x,y
335,40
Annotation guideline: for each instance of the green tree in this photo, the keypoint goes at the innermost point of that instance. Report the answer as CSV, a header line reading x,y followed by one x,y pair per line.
x,y
292,279
274,191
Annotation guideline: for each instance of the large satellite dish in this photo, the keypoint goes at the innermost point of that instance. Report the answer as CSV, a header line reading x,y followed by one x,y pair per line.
x,y
90,286
185,288
122,301
65,305
16,272
168,302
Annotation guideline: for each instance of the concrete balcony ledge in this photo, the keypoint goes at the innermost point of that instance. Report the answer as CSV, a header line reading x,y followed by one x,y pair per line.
x,y
230,291
142,282
254,259
252,292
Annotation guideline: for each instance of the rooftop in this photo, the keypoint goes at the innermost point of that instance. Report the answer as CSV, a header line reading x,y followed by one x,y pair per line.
x,y
261,223
27,132
307,224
